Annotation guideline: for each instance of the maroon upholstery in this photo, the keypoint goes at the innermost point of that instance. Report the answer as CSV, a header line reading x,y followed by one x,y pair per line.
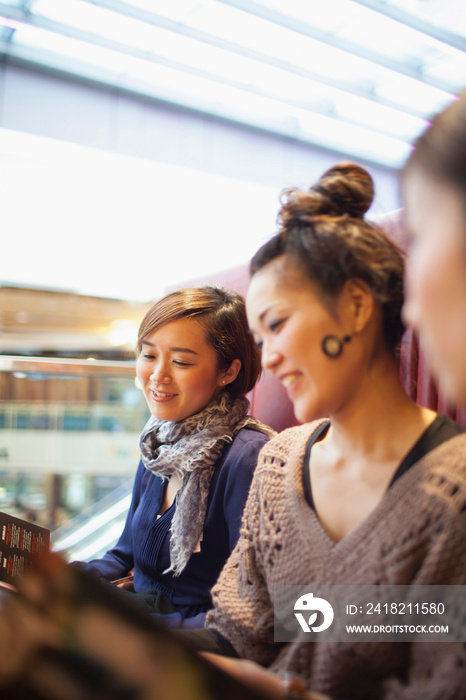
x,y
269,401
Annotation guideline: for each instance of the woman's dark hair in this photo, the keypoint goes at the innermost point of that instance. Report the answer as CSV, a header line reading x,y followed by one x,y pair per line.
x,y
222,313
322,232
441,148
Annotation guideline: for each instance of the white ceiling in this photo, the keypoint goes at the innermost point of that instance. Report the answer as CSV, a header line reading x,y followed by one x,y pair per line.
x,y
358,76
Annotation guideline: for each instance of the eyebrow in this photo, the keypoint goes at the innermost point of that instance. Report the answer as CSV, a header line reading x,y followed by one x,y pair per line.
x,y
193,352
266,311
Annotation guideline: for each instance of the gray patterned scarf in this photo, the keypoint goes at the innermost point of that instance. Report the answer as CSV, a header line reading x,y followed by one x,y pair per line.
x,y
190,449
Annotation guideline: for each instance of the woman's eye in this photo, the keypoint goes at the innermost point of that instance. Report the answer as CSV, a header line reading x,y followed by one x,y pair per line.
x,y
275,325
146,356
182,364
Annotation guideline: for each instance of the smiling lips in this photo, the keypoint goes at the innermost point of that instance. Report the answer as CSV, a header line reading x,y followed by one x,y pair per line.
x,y
161,396
288,379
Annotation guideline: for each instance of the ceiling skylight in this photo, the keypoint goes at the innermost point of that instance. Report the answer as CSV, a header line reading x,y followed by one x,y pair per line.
x,y
358,76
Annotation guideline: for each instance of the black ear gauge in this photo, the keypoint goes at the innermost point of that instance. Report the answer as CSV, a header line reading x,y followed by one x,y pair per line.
x,y
332,345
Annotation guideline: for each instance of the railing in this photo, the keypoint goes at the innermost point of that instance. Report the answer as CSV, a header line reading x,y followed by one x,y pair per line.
x,y
88,416
67,366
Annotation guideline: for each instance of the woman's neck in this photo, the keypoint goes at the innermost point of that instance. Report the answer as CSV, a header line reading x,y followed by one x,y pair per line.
x,y
379,419
352,466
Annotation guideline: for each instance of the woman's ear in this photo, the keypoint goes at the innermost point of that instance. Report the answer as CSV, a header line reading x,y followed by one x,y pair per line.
x,y
229,375
359,303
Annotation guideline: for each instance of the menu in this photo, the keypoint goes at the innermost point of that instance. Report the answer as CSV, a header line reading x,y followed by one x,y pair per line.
x,y
20,543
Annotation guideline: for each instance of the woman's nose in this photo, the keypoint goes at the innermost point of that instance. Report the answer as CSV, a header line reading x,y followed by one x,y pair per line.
x,y
160,374
270,358
410,311
409,314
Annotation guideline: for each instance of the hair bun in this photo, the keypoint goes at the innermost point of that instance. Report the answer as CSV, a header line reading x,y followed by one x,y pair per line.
x,y
347,188
344,189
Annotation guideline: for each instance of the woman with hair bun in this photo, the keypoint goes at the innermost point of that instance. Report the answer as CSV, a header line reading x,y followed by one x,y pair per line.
x,y
365,492
196,361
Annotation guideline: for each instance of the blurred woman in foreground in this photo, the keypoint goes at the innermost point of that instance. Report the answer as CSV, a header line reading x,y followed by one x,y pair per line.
x,y
434,188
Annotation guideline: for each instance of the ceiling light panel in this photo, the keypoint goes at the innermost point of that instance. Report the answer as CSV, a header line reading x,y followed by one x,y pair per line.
x,y
448,69
451,18
240,72
179,11
61,45
102,22
322,73
236,27
394,40
225,101
298,52
400,89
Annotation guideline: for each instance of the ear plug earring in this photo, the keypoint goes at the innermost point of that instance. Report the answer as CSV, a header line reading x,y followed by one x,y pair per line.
x,y
332,346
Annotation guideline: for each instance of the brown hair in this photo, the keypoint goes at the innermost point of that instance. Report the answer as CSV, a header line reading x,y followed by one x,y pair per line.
x,y
222,313
322,232
441,148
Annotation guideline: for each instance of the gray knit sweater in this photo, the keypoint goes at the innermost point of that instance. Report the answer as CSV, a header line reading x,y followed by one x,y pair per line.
x,y
417,534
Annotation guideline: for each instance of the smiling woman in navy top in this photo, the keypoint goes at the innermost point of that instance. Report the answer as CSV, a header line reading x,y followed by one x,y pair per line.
x,y
196,360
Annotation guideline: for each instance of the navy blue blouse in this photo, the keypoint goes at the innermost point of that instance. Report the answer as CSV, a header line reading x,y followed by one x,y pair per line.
x,y
145,541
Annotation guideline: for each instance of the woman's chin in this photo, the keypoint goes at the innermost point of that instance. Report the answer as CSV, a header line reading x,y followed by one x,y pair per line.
x,y
453,385
305,413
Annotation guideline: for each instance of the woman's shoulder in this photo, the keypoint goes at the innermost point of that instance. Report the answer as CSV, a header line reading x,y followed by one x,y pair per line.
x,y
448,456
250,435
238,460
443,428
243,450
438,481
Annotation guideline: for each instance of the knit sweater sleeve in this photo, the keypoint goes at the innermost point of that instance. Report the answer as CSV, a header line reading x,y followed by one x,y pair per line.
x,y
243,609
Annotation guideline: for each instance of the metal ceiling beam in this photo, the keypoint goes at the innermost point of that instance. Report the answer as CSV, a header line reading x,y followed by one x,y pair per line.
x,y
297,25
447,37
8,33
